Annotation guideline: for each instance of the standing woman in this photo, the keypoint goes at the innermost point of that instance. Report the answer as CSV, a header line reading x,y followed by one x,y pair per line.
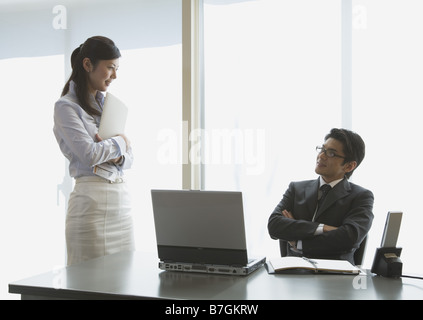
x,y
98,221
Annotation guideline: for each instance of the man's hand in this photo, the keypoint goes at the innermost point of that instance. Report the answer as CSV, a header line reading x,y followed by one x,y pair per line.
x,y
327,228
287,214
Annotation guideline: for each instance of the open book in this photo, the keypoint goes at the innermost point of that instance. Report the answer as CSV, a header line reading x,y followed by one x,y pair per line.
x,y
295,264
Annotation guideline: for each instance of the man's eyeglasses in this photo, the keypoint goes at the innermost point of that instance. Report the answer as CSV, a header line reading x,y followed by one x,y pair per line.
x,y
328,153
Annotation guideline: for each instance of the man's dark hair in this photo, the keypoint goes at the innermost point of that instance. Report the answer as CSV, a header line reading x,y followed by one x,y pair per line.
x,y
353,146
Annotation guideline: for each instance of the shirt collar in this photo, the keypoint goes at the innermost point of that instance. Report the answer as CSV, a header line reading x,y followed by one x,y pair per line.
x,y
332,184
98,99
72,87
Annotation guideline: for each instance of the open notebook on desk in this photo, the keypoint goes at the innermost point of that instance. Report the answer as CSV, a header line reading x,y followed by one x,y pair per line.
x,y
302,264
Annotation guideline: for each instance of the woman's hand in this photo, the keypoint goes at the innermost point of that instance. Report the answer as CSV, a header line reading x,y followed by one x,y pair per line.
x,y
119,159
98,138
128,143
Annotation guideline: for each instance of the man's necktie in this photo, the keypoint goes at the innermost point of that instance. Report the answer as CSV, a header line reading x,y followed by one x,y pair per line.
x,y
324,190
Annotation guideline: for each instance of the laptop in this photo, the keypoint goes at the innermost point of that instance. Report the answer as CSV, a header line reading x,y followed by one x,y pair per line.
x,y
113,118
202,231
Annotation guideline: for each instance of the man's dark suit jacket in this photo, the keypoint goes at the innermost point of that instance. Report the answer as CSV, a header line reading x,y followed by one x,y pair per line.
x,y
347,206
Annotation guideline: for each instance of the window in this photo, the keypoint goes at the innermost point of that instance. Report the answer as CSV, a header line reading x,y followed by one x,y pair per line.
x,y
32,231
272,92
273,89
34,70
387,100
149,81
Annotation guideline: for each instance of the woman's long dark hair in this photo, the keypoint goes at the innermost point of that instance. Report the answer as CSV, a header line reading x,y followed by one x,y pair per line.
x,y
96,49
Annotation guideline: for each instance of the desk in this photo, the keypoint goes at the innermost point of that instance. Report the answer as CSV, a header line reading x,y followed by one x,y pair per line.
x,y
135,275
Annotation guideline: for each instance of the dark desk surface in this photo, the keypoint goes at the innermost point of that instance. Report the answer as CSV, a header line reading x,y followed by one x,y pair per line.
x,y
135,275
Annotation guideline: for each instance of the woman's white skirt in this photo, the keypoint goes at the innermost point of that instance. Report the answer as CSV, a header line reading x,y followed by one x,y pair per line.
x,y
98,220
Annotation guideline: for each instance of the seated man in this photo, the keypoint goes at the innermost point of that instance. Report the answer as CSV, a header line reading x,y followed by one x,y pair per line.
x,y
328,224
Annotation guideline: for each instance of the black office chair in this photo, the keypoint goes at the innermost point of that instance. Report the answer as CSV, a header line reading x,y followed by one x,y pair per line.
x,y
283,248
359,253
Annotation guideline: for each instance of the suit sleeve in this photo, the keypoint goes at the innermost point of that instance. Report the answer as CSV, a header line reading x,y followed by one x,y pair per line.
x,y
288,229
350,234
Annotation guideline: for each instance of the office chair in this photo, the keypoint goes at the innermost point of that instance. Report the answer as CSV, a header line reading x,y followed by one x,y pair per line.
x,y
358,254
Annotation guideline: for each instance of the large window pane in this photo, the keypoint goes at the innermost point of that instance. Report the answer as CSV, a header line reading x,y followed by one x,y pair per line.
x,y
149,81
32,227
387,100
35,63
272,92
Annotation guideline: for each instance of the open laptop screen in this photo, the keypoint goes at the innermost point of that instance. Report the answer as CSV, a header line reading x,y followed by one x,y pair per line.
x,y
391,230
199,225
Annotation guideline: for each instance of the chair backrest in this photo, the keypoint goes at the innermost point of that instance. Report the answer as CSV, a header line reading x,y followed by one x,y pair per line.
x,y
283,248
359,253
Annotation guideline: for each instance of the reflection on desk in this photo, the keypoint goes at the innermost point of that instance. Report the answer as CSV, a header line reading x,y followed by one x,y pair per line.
x,y
135,275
